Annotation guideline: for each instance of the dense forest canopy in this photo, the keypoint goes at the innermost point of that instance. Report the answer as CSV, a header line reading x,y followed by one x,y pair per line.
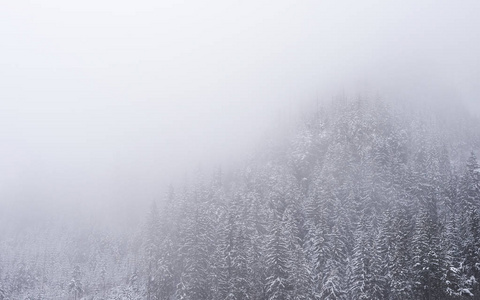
x,y
364,199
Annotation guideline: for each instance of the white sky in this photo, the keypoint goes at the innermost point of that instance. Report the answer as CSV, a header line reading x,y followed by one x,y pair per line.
x,y
106,100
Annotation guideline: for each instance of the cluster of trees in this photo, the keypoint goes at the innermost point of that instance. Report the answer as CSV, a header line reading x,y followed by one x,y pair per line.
x,y
364,200
61,262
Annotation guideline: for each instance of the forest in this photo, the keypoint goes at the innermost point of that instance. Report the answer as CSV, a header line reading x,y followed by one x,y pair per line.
x,y
364,198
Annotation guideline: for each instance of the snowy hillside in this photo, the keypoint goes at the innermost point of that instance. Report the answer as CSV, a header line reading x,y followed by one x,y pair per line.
x,y
366,200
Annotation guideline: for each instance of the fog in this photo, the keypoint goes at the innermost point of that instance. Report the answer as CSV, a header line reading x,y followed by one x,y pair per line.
x,y
104,103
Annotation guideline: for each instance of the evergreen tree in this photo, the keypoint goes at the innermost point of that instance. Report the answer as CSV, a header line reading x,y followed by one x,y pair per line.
x,y
366,282
470,200
401,271
75,286
334,274
197,250
451,248
427,258
277,285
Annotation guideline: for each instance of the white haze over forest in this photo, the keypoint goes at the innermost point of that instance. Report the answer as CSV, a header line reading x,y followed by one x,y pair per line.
x,y
104,103
264,150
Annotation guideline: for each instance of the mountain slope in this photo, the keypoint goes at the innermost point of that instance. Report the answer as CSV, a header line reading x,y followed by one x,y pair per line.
x,y
364,200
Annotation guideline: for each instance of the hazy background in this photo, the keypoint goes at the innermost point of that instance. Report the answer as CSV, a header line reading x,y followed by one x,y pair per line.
x,y
103,103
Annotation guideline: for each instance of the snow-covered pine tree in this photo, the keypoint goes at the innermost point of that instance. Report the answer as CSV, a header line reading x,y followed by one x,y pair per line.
x,y
401,271
428,260
366,281
197,249
278,261
334,274
470,213
75,285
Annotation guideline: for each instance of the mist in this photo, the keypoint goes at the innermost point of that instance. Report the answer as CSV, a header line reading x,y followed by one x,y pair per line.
x,y
239,149
106,103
